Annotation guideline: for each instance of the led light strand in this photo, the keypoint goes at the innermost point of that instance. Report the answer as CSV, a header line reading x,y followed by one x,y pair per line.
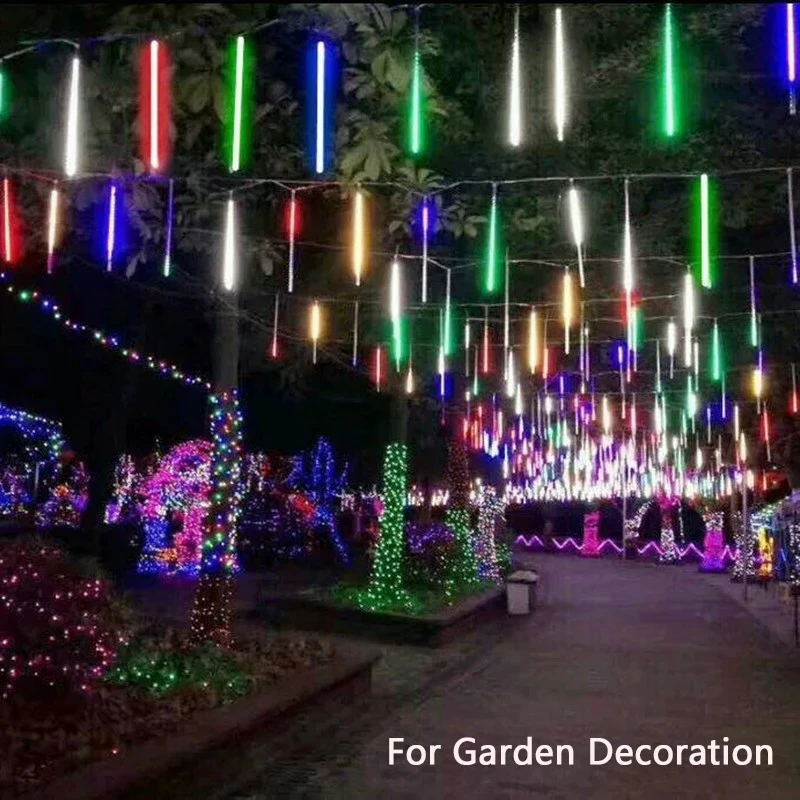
x,y
314,330
670,115
753,318
355,334
52,228
155,160
491,255
560,76
448,316
416,120
705,234
238,91
791,57
229,256
275,313
319,158
111,232
425,212
167,268
359,235
576,219
515,89
792,231
533,343
46,304
71,147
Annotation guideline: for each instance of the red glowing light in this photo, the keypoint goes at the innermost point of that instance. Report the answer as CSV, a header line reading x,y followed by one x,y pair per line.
x,y
154,106
9,224
292,220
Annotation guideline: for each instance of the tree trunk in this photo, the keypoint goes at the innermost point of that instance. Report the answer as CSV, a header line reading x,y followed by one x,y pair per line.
x,y
213,600
110,440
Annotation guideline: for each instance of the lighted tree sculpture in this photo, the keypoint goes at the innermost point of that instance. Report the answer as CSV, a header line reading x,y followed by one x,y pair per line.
x,y
464,568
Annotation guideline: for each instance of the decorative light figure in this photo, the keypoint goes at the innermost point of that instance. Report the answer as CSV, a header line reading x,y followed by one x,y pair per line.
x,y
111,231
320,145
515,90
71,148
533,341
560,76
359,235
229,255
314,329
52,228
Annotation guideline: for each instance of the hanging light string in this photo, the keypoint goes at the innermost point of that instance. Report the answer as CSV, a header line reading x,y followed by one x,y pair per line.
x,y
32,297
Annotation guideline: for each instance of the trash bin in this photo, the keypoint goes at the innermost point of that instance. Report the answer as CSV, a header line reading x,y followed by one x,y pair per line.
x,y
521,591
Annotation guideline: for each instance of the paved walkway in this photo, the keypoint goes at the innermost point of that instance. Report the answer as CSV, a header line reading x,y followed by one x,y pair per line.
x,y
634,653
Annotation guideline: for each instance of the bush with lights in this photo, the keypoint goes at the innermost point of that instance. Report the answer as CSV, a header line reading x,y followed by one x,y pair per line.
x,y
59,625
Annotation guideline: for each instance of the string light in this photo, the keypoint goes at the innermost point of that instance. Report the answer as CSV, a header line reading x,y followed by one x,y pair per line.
x,y
109,341
736,428
71,148
533,341
378,367
52,228
576,219
229,269
3,92
359,235
606,416
168,240
794,391
670,106
492,255
560,76
409,380
753,318
314,329
485,359
515,89
111,229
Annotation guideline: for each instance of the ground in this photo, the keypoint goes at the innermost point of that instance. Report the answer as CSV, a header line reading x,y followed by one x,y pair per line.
x,y
635,653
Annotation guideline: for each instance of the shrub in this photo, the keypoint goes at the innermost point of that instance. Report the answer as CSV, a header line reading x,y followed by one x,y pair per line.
x,y
59,625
